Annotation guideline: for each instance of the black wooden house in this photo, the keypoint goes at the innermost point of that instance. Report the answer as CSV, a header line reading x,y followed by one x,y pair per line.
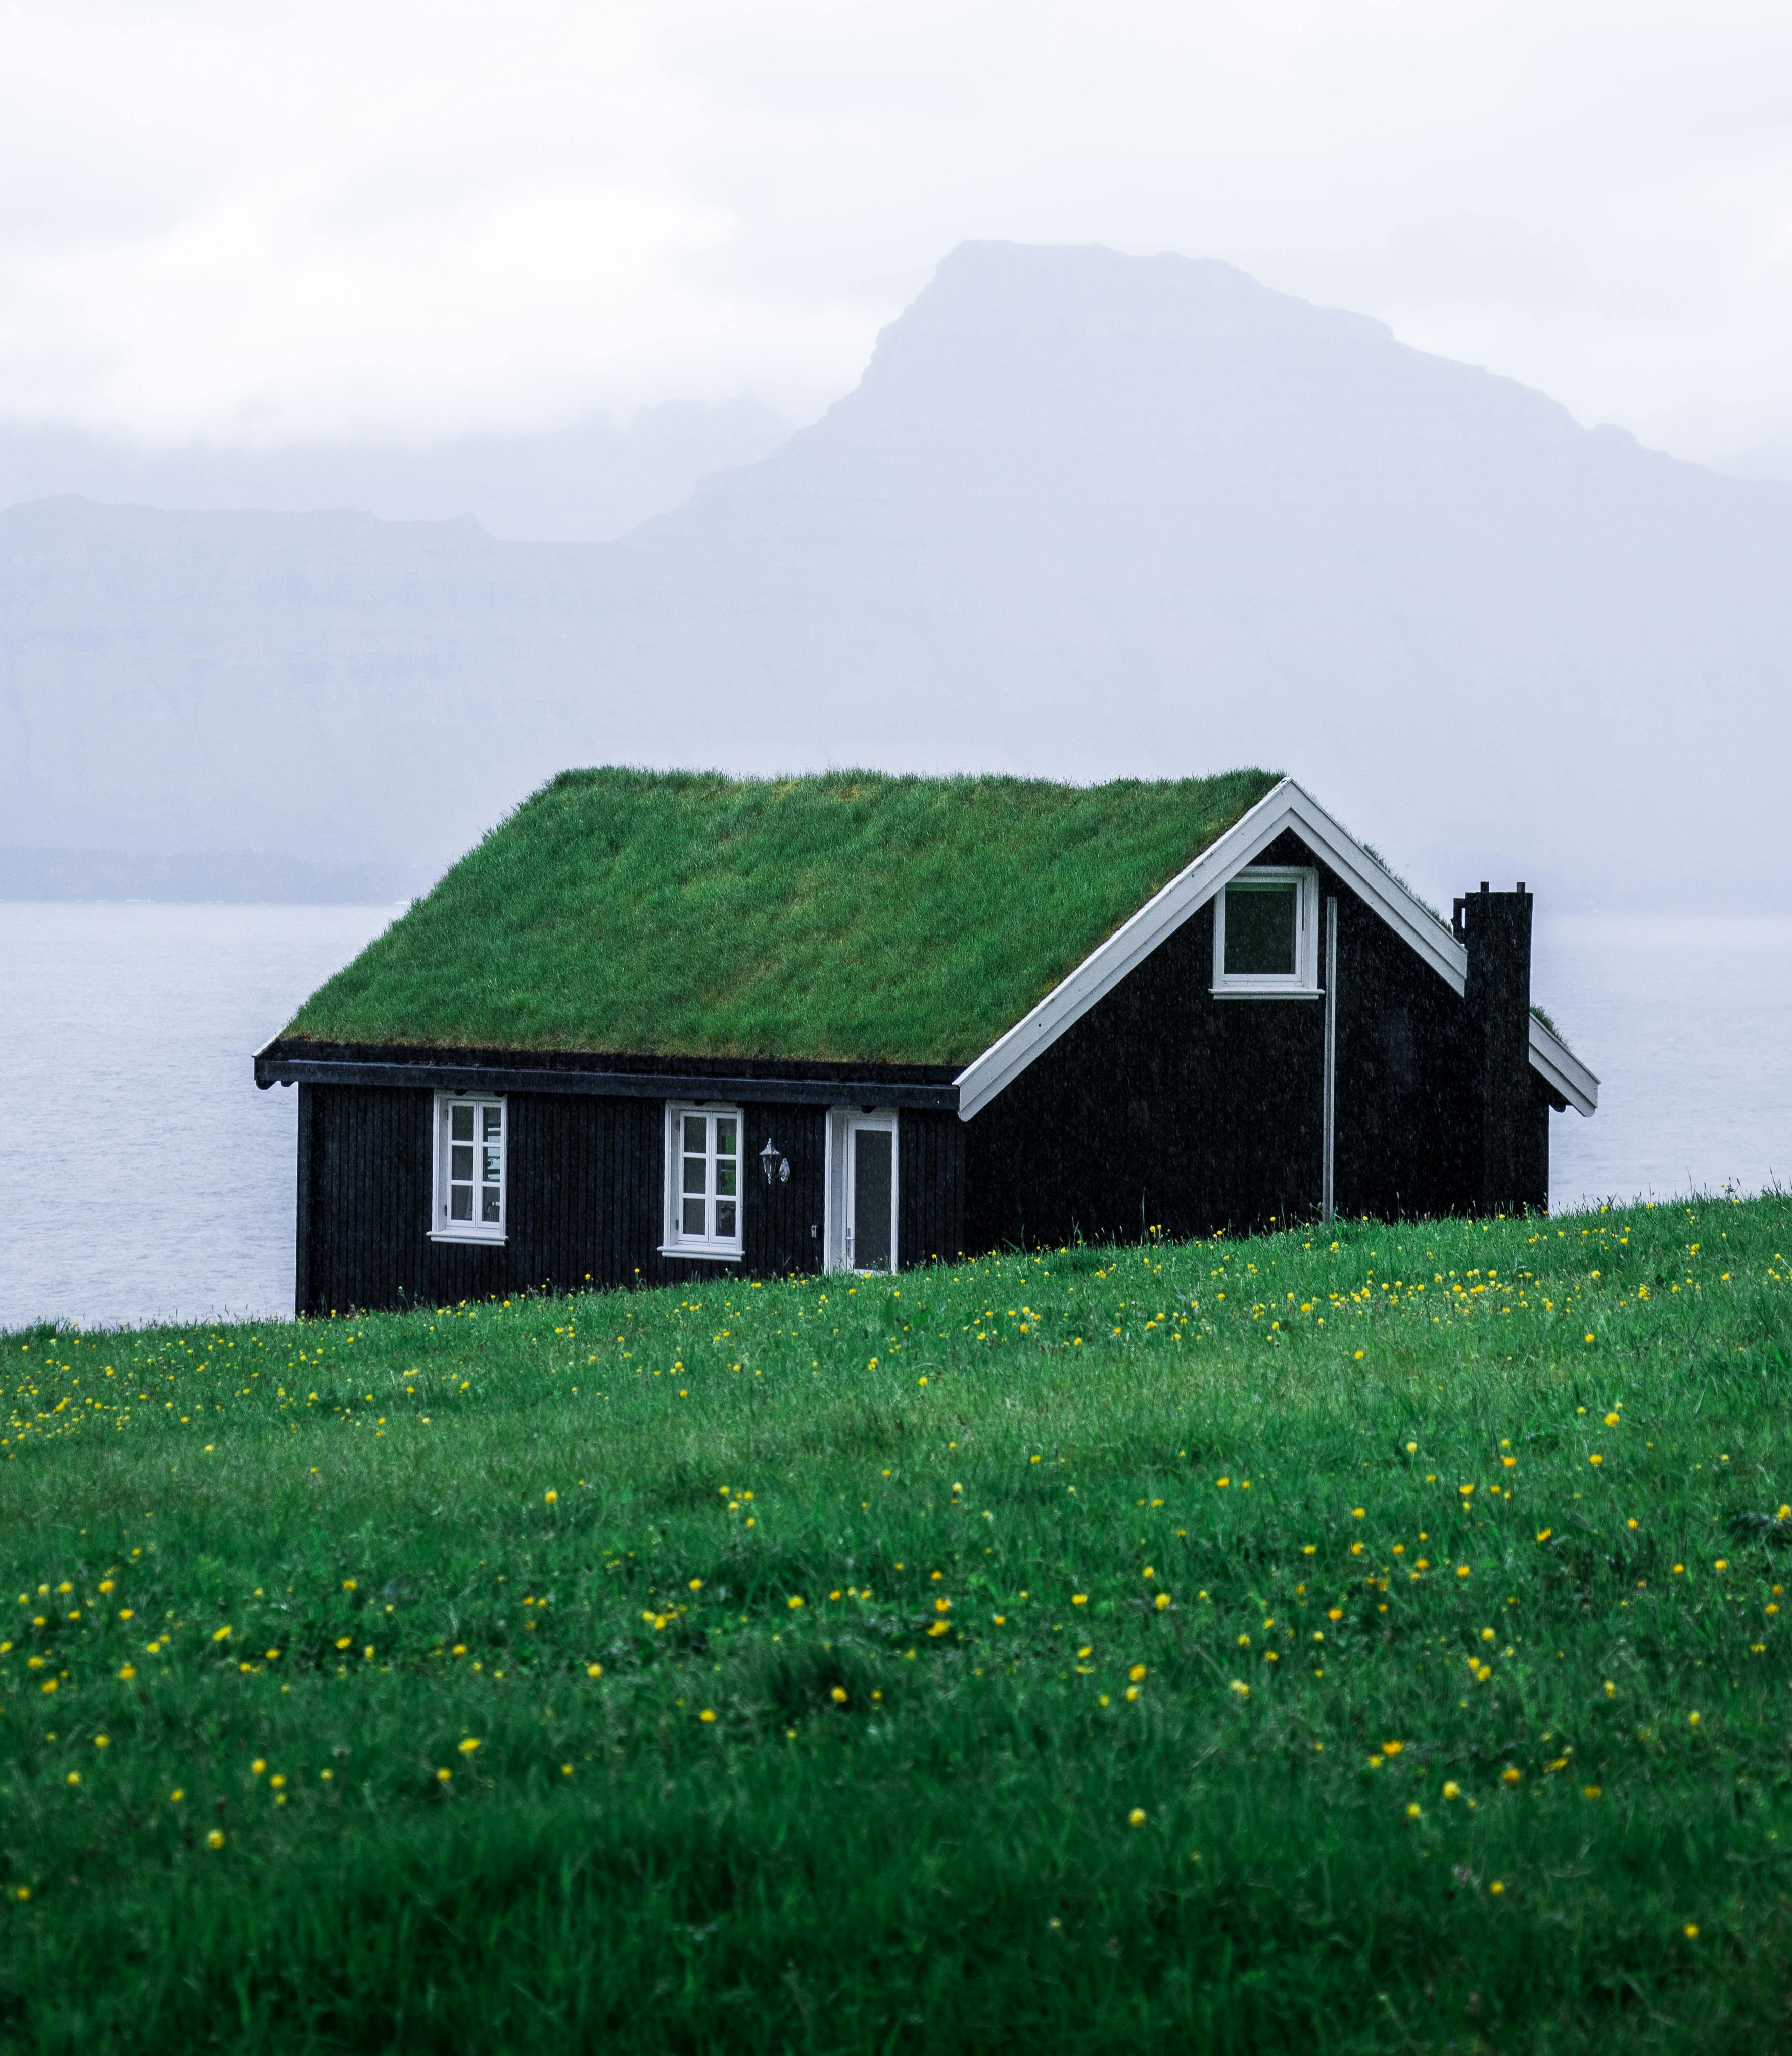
x,y
655,1025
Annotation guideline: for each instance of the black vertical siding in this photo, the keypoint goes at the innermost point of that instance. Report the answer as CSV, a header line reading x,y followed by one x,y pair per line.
x,y
584,1198
1166,1107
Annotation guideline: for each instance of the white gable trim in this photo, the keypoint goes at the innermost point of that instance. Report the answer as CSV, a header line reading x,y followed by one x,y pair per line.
x,y
1285,806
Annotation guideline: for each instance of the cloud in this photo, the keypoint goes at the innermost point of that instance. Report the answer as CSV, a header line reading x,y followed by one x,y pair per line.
x,y
329,218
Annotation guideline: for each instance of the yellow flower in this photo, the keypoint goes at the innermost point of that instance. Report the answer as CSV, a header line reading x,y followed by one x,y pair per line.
x,y
550,1497
1691,1930
838,1696
1496,1888
216,1839
469,1744
1136,1818
1413,1812
444,1776
258,1766
794,1601
1079,1599
594,1670
1590,1791
1452,1789
1162,1601
1136,1673
1240,1688
1392,1748
221,1634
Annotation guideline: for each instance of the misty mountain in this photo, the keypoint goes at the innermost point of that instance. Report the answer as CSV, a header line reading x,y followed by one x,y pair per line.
x,y
583,483
1085,514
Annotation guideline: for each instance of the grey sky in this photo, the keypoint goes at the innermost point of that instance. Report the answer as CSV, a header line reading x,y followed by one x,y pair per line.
x,y
326,218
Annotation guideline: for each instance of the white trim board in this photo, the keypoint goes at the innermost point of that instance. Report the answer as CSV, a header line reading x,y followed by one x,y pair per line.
x,y
1285,806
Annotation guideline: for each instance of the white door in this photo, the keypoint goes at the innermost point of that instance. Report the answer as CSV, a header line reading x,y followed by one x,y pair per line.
x,y
862,1206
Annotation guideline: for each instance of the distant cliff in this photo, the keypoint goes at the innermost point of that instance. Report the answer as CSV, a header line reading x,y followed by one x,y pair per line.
x,y
1086,514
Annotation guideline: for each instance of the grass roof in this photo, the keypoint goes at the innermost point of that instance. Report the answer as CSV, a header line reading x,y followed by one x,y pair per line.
x,y
852,917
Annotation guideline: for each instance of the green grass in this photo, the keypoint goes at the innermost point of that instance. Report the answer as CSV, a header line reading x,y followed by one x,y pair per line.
x,y
853,917
1468,1489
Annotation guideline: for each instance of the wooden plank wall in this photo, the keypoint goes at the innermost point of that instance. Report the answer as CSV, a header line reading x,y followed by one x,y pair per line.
x,y
1166,1107
584,1198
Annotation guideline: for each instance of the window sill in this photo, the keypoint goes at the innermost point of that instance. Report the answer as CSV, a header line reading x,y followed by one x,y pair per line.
x,y
702,1253
484,1241
1265,992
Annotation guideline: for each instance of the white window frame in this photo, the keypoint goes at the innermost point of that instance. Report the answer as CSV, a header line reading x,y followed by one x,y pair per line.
x,y
718,1249
1303,984
442,1228
836,1202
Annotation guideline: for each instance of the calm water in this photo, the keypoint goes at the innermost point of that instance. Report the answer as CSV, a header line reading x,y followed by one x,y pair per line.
x,y
149,1178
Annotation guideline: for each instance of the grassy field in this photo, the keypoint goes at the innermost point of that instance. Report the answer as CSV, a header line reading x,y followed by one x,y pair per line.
x,y
1352,1644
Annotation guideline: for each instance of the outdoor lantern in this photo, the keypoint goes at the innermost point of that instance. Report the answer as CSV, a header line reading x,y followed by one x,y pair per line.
x,y
777,1163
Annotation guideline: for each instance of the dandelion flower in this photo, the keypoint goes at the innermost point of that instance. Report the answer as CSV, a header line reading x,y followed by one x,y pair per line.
x,y
838,1696
1452,1789
1691,1930
794,1601
708,1713
594,1670
469,1744
550,1497
1136,1818
1497,1887
216,1839
444,1776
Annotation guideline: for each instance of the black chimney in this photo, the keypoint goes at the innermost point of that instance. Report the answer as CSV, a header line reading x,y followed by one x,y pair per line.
x,y
1496,929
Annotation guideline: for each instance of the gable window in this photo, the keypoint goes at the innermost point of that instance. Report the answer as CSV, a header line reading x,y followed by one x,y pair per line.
x,y
702,1181
1266,934
470,1185
862,1185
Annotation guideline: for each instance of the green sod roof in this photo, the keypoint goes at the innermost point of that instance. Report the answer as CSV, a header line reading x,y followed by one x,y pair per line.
x,y
851,918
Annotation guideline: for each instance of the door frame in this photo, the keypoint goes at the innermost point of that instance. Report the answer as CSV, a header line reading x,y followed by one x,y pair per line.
x,y
844,1122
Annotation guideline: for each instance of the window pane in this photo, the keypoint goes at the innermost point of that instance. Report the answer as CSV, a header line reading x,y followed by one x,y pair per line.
x,y
696,1176
725,1218
494,1122
460,1123
694,1216
460,1202
696,1132
726,1168
489,1204
724,1139
1261,931
871,1150
461,1159
491,1169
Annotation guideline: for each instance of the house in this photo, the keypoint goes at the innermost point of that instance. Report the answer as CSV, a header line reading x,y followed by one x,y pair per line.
x,y
655,1025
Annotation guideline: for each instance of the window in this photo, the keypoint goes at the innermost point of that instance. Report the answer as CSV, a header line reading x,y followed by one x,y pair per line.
x,y
1266,934
702,1181
862,1185
469,1203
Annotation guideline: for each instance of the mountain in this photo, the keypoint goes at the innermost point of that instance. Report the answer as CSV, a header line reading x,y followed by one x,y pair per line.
x,y
1085,514
583,483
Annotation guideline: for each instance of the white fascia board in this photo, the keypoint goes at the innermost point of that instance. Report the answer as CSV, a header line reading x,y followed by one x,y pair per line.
x,y
1557,1064
1286,805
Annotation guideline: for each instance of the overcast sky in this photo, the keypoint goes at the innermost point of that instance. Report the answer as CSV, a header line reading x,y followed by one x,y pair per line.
x,y
279,219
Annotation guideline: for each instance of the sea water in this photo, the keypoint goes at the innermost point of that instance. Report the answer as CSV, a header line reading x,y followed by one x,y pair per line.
x,y
146,1177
